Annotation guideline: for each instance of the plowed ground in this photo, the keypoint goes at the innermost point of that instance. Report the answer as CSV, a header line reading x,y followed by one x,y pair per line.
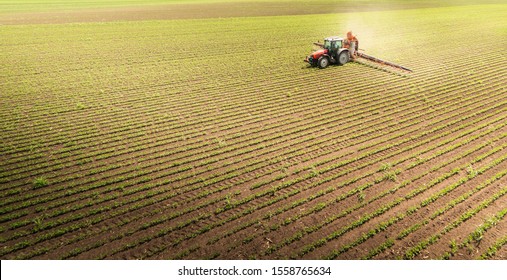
x,y
211,138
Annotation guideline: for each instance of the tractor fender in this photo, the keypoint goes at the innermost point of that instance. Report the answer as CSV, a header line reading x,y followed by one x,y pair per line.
x,y
341,50
326,55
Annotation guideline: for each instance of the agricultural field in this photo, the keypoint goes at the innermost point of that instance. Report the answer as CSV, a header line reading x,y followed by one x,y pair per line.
x,y
207,136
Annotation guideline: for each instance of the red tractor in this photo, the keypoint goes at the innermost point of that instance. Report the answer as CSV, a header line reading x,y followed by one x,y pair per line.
x,y
332,52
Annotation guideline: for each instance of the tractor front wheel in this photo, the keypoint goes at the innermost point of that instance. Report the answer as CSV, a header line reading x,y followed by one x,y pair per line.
x,y
323,62
343,57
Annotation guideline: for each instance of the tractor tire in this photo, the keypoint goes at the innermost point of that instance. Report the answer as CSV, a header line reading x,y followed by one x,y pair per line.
x,y
323,62
343,57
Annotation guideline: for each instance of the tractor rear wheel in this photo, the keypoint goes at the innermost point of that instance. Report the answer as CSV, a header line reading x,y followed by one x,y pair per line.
x,y
323,62
343,57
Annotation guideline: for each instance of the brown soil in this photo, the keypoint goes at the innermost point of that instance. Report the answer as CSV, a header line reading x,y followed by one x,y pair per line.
x,y
267,135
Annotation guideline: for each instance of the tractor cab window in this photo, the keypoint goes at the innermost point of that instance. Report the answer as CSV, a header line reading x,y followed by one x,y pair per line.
x,y
327,44
337,45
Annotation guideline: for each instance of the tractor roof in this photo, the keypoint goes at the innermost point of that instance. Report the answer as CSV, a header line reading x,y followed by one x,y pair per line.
x,y
333,38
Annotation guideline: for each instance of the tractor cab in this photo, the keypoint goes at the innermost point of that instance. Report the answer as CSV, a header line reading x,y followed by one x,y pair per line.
x,y
332,44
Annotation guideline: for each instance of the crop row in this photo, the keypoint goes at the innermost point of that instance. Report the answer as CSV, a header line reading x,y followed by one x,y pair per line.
x,y
414,251
345,172
299,235
382,226
476,237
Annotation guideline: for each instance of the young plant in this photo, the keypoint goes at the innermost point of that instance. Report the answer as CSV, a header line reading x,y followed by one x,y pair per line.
x,y
471,171
40,182
385,167
361,196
